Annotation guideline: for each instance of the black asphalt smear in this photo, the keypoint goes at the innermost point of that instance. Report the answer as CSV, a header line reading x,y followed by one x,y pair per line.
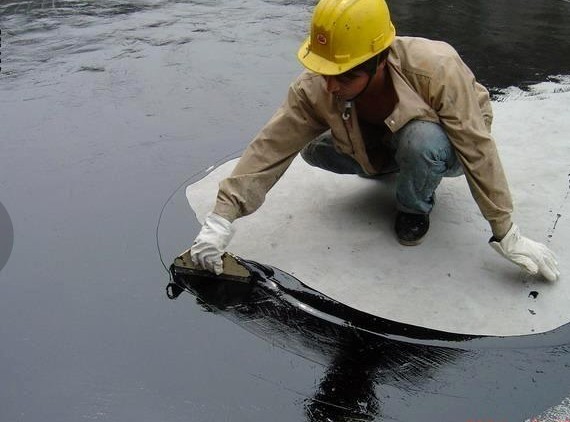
x,y
372,361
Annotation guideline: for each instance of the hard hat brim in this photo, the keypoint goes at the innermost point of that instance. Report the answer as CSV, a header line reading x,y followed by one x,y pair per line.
x,y
322,66
318,64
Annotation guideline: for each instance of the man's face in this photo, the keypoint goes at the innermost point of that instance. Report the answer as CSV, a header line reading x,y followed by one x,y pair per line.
x,y
347,86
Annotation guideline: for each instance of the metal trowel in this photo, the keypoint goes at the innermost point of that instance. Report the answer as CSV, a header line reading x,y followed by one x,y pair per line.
x,y
233,269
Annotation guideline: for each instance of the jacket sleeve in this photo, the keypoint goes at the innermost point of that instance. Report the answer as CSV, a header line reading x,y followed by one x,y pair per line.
x,y
455,96
270,153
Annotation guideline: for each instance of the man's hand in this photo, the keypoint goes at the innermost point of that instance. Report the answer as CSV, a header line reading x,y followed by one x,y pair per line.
x,y
532,256
211,243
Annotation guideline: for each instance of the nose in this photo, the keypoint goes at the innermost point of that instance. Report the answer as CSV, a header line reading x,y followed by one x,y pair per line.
x,y
332,84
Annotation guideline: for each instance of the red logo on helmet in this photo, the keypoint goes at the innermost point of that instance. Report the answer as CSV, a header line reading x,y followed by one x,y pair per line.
x,y
321,39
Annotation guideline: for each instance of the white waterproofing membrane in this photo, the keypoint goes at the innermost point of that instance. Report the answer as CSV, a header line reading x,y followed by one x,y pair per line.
x,y
335,232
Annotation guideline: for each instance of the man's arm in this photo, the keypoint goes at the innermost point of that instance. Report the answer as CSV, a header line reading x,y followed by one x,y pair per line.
x,y
262,164
454,96
268,156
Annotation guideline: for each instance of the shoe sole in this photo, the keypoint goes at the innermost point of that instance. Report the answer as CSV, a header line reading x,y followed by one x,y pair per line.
x,y
411,242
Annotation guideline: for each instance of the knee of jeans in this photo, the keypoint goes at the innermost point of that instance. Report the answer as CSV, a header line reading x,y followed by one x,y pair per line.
x,y
307,153
426,141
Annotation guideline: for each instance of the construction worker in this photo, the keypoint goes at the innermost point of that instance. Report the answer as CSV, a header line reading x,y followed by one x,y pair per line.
x,y
371,103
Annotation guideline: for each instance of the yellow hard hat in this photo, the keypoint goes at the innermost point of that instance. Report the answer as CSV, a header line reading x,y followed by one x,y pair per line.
x,y
346,33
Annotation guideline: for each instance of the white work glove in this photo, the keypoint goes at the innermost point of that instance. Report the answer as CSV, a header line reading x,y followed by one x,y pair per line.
x,y
532,256
211,243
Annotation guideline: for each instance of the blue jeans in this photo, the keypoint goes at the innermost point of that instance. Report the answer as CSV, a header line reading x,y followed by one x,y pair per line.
x,y
420,152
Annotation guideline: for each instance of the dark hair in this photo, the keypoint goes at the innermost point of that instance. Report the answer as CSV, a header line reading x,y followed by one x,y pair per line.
x,y
370,65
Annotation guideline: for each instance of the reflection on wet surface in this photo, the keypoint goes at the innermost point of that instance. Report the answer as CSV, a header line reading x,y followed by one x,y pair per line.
x,y
504,42
38,32
361,364
106,107
357,361
508,42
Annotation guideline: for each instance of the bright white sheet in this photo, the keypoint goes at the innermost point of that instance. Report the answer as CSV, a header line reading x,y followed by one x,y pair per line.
x,y
335,232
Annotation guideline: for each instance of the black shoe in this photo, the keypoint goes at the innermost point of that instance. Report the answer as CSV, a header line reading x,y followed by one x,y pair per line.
x,y
411,228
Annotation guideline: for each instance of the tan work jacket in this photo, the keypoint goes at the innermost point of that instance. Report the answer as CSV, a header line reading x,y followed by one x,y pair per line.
x,y
432,83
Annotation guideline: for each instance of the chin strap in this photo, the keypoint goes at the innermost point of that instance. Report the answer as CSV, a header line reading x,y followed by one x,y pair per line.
x,y
371,72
